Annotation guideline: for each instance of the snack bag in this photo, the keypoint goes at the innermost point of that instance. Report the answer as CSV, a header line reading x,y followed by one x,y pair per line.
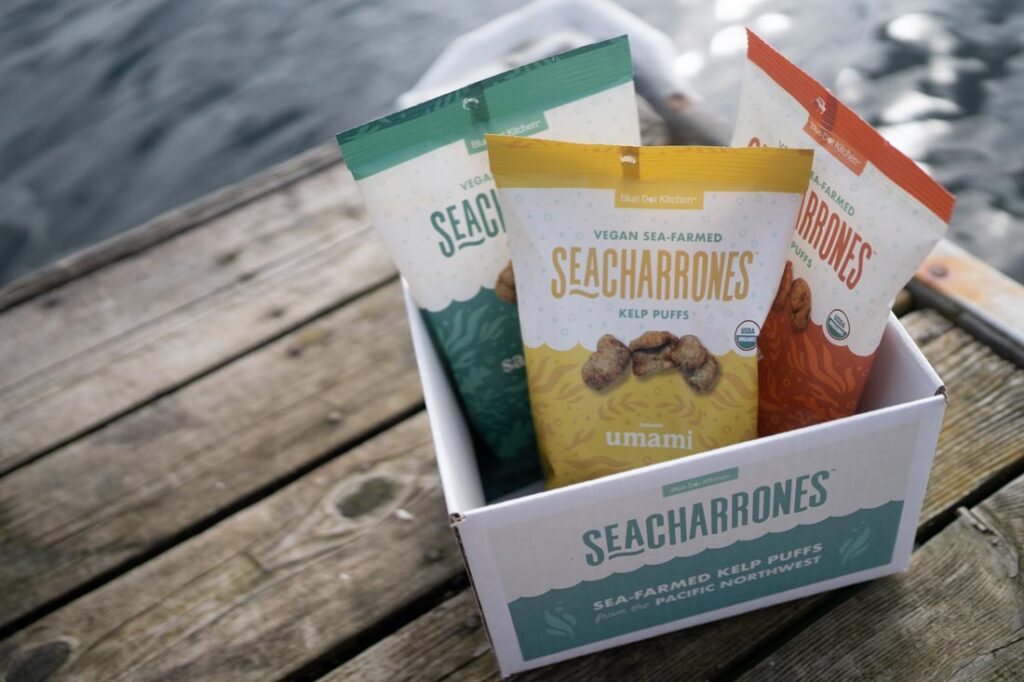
x,y
643,276
871,215
424,176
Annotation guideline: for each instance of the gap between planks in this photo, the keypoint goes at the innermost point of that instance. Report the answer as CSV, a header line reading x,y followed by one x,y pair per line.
x,y
130,489
199,375
138,603
159,320
276,586
167,226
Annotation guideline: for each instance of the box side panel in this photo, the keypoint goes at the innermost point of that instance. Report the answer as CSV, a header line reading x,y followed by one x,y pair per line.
x,y
901,373
930,415
585,567
456,461
474,544
457,529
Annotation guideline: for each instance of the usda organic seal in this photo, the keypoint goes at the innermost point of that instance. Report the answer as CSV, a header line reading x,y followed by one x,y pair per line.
x,y
837,325
746,335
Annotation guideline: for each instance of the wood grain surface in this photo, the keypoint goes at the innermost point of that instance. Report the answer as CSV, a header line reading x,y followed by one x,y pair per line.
x,y
958,614
131,487
104,344
168,225
299,575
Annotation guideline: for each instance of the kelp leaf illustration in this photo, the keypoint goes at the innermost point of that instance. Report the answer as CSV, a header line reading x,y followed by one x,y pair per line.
x,y
492,331
546,378
557,626
853,548
474,378
581,438
465,329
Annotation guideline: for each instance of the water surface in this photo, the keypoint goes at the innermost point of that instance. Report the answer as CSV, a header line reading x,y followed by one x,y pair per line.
x,y
115,111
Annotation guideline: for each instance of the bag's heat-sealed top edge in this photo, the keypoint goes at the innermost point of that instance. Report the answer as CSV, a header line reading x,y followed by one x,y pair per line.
x,y
487,105
840,130
526,163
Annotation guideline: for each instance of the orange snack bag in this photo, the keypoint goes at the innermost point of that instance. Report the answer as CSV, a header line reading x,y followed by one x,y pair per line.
x,y
869,218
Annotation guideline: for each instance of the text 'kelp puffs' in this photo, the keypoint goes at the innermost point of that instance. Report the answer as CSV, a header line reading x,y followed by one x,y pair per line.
x,y
643,276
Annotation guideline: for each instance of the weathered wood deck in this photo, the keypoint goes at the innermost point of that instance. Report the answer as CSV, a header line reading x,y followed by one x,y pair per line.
x,y
214,463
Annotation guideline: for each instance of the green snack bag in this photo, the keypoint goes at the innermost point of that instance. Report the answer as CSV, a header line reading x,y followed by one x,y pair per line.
x,y
425,178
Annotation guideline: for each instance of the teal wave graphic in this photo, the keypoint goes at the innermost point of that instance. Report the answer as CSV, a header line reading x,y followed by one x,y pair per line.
x,y
715,578
476,337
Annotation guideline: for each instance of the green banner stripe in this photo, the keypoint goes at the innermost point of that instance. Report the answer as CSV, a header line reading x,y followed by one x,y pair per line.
x,y
524,91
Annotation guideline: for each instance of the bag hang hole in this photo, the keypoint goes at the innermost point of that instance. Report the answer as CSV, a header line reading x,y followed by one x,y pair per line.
x,y
825,110
629,158
476,104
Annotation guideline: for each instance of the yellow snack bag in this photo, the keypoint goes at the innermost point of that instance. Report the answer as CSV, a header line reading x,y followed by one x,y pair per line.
x,y
643,277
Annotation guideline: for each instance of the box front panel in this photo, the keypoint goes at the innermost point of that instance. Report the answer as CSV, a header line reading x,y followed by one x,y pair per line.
x,y
581,568
716,578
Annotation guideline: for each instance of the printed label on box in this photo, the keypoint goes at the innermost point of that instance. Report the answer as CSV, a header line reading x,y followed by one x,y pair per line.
x,y
728,536
713,579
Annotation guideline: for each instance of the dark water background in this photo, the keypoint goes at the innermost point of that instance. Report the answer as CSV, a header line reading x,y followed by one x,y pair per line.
x,y
113,111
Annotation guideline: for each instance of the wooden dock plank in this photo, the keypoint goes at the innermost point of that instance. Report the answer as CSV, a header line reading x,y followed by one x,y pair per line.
x,y
127,488
108,342
448,643
173,274
168,225
981,431
108,329
453,627
979,441
292,578
955,616
697,652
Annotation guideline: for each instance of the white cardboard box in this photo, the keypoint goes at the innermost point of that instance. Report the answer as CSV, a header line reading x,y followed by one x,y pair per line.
x,y
571,571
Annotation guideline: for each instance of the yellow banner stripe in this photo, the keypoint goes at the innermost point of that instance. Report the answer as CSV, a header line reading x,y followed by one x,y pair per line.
x,y
530,162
